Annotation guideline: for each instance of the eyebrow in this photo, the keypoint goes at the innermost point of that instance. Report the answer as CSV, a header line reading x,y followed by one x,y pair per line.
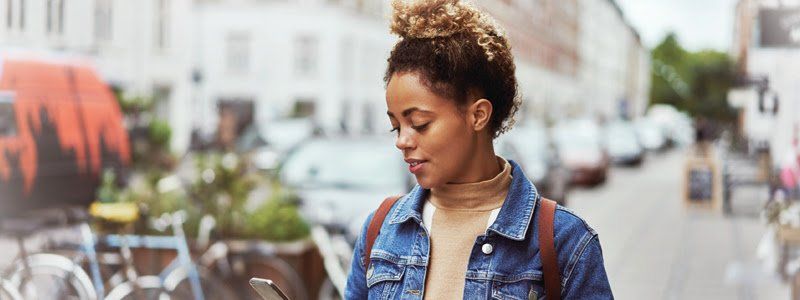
x,y
409,111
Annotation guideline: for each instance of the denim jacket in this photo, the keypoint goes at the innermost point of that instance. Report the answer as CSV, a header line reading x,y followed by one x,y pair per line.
x,y
513,270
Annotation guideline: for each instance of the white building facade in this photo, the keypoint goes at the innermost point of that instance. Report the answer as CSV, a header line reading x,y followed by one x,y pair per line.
x,y
294,58
137,46
615,66
764,51
323,59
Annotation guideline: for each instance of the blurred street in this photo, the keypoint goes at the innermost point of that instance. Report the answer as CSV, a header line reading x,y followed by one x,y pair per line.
x,y
252,138
653,245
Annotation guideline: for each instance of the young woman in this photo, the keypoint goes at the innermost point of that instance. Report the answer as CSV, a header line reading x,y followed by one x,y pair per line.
x,y
469,228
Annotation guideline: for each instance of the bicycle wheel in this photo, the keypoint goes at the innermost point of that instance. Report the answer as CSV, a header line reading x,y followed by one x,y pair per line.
x,y
51,276
143,288
178,286
275,269
8,291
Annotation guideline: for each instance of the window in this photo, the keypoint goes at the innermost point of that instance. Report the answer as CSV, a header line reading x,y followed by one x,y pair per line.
x,y
21,14
306,59
303,108
237,52
55,16
49,16
102,20
162,22
60,16
161,99
9,14
8,120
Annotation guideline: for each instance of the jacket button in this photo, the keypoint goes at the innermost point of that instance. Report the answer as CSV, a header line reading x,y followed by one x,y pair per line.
x,y
370,271
487,249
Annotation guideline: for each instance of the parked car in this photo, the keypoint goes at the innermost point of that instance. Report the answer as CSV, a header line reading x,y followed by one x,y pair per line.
x,y
581,151
622,144
531,147
650,134
280,137
60,128
340,180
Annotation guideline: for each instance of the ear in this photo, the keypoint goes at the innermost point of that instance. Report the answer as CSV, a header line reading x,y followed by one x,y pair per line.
x,y
479,114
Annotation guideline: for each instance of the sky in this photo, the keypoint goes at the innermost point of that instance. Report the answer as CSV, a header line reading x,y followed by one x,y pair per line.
x,y
699,24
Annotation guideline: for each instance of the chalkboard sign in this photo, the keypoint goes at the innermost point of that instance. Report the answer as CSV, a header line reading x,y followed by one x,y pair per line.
x,y
701,183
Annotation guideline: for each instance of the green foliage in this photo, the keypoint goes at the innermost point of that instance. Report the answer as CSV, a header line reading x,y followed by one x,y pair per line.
x,y
108,191
278,219
695,82
134,105
160,133
222,189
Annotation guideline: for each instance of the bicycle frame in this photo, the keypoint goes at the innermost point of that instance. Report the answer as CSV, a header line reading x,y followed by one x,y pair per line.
x,y
183,260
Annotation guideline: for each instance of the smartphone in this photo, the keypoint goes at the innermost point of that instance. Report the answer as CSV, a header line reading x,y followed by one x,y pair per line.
x,y
267,289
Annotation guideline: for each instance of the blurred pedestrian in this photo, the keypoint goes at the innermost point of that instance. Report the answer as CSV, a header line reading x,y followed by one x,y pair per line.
x,y
470,228
702,136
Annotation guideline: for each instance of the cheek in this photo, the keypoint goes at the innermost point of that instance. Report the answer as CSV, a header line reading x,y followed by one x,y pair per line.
x,y
448,147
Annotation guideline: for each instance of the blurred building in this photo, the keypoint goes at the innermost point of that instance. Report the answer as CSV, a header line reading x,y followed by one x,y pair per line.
x,y
766,47
253,61
138,46
575,58
319,59
615,66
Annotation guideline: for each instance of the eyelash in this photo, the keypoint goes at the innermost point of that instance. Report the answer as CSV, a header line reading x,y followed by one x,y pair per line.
x,y
417,128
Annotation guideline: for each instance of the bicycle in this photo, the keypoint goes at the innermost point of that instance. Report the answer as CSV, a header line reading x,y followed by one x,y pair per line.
x,y
8,291
35,276
125,280
336,251
238,261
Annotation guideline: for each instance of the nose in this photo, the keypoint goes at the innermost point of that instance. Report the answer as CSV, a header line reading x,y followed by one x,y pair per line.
x,y
404,141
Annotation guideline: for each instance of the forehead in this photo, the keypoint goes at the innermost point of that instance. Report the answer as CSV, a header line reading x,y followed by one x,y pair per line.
x,y
406,90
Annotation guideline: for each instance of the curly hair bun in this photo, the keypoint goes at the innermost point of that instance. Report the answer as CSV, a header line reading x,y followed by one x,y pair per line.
x,y
438,18
455,48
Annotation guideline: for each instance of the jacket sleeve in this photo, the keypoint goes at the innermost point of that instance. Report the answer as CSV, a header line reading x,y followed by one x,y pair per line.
x,y
588,279
356,287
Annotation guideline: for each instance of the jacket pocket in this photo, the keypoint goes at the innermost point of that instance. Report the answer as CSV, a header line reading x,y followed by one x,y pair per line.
x,y
520,289
383,278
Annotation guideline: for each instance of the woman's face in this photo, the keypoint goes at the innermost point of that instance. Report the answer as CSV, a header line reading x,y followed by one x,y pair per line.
x,y
433,134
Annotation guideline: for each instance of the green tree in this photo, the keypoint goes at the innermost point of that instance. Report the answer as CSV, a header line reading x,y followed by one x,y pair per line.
x,y
695,82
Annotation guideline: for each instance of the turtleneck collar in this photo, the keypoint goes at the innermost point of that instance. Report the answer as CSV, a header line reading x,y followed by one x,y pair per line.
x,y
475,196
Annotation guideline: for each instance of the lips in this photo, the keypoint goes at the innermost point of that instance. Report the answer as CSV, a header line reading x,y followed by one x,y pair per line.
x,y
415,165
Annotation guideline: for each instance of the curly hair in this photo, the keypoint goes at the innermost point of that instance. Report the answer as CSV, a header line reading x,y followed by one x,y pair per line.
x,y
458,52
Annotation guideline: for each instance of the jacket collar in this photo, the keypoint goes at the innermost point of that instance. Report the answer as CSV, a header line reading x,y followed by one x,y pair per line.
x,y
513,220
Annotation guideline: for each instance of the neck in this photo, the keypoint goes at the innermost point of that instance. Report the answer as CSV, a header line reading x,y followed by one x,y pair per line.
x,y
483,166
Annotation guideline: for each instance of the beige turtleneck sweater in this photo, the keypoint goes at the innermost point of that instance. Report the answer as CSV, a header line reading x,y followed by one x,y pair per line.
x,y
455,215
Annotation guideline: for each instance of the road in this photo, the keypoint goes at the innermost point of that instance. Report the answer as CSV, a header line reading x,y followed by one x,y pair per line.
x,y
656,248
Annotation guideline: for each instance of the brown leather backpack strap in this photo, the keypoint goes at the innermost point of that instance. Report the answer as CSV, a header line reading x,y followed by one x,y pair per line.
x,y
552,274
375,226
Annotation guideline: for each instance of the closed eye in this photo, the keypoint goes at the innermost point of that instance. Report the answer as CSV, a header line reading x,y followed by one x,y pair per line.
x,y
421,127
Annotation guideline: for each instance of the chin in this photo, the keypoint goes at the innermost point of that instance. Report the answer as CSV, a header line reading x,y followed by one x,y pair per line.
x,y
427,183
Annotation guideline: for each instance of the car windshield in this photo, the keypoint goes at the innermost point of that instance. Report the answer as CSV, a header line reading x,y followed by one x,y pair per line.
x,y
337,164
574,140
284,134
621,137
531,143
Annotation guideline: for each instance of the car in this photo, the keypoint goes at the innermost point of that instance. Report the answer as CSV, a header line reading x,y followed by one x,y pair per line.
x,y
622,143
340,180
530,146
581,151
651,135
280,137
60,128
